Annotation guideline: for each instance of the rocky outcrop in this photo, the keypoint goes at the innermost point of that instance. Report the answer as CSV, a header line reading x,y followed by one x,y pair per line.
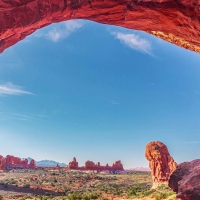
x,y
117,165
15,162
175,21
73,164
12,162
2,163
90,165
32,164
185,180
161,163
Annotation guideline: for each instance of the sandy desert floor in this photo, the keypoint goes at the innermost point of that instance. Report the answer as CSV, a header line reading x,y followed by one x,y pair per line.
x,y
46,184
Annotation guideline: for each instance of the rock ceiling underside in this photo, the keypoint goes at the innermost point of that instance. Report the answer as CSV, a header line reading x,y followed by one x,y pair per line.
x,y
176,21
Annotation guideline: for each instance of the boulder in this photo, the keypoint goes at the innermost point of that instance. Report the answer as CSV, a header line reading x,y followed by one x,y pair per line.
x,y
185,180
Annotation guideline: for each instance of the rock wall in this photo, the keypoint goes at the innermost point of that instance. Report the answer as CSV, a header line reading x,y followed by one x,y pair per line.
x,y
175,21
14,162
185,180
161,163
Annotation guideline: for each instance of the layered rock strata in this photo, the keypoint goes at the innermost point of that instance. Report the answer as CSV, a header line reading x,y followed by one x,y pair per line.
x,y
161,163
175,21
185,180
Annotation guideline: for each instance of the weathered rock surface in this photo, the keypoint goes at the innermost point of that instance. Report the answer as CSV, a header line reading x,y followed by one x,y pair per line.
x,y
117,165
32,164
90,165
161,163
185,180
73,164
2,163
175,21
12,161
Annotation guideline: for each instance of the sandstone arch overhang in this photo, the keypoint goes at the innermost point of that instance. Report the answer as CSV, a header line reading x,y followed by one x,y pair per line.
x,y
176,21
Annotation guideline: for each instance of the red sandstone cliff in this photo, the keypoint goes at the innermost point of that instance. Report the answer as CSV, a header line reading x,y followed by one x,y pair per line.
x,y
15,162
12,161
175,21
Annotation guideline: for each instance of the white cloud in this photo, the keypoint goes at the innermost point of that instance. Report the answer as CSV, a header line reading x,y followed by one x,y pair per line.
x,y
22,116
10,89
63,30
134,42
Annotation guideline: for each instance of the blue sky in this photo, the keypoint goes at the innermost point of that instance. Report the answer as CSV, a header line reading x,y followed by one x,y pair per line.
x,y
100,93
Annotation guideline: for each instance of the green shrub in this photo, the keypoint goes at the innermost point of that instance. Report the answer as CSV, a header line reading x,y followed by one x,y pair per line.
x,y
160,196
27,185
93,196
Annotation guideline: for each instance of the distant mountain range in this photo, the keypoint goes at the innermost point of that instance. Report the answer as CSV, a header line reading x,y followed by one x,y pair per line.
x,y
47,163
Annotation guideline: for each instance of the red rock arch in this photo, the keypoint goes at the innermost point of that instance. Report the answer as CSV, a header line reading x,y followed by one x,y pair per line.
x,y
175,21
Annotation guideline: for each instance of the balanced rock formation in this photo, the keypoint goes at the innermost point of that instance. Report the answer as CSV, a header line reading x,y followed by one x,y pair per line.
x,y
2,163
174,21
161,163
185,180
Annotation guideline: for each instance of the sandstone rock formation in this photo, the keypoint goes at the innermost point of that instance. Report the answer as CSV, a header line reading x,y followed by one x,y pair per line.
x,y
161,163
175,21
117,165
12,161
32,164
2,163
73,164
185,180
90,165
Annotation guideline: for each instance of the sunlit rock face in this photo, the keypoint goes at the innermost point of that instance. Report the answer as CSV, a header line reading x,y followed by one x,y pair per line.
x,y
161,163
12,161
175,21
185,180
